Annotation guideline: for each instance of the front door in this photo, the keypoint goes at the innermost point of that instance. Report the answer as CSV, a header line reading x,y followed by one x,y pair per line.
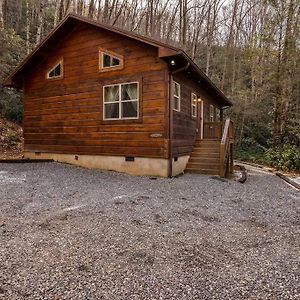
x,y
200,117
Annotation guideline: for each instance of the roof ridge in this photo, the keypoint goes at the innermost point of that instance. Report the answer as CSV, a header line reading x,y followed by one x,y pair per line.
x,y
124,31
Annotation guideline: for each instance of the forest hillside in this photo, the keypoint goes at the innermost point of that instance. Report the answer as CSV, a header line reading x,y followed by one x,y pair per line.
x,y
10,139
249,48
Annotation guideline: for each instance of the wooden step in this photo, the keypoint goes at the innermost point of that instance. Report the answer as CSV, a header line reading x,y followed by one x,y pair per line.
x,y
200,159
208,142
205,158
202,165
202,171
206,152
206,148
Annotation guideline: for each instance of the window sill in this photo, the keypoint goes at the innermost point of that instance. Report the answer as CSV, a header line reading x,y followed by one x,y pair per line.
x,y
110,69
54,78
121,121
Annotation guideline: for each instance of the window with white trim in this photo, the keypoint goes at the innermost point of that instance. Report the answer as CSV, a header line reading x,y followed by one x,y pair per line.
x,y
109,60
211,113
194,100
121,101
176,96
56,71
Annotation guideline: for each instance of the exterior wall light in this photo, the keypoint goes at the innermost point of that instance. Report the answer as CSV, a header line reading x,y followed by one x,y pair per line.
x,y
173,62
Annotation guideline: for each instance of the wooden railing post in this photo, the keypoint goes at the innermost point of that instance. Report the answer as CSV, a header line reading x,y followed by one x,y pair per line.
x,y
222,160
231,159
226,149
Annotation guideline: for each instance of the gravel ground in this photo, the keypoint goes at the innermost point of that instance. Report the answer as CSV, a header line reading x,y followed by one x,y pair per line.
x,y
73,233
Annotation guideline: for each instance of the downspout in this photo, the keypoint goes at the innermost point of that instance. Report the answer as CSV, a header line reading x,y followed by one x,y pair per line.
x,y
170,154
170,170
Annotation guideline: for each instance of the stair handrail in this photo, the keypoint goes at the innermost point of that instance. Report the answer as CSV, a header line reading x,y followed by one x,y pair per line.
x,y
227,138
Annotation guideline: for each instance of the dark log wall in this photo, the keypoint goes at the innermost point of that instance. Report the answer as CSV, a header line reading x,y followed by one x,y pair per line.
x,y
65,115
184,125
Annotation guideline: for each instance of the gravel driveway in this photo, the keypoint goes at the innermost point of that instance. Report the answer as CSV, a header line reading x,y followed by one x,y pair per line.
x,y
73,233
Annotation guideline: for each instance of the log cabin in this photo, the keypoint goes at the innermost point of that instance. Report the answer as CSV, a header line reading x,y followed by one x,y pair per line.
x,y
101,97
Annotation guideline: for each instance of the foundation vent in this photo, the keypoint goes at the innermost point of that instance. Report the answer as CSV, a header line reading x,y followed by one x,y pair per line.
x,y
129,158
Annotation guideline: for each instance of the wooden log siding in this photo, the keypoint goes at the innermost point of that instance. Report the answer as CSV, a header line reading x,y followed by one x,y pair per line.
x,y
184,125
65,115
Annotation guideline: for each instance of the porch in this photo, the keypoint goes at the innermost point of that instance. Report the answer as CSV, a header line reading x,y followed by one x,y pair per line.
x,y
213,130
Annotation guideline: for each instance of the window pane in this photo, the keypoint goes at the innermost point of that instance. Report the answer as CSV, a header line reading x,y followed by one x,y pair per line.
x,y
129,109
106,60
218,114
129,91
111,110
111,93
115,61
176,103
194,111
212,111
176,89
56,71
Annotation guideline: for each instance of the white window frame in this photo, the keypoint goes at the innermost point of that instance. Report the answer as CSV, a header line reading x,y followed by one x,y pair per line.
x,y
177,97
194,105
120,101
61,63
211,113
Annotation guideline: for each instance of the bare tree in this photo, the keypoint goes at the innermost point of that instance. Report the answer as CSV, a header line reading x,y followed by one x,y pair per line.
x,y
40,17
1,14
27,28
91,9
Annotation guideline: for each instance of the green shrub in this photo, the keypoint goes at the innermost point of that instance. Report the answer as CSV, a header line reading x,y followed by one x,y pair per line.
x,y
249,150
11,51
11,105
12,137
285,158
252,154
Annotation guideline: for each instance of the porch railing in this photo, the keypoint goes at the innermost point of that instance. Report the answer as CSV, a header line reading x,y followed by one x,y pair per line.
x,y
226,149
212,130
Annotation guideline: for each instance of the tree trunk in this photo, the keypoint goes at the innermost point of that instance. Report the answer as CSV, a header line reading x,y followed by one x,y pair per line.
x,y
229,41
183,22
40,17
56,12
285,74
27,28
91,9
105,11
1,14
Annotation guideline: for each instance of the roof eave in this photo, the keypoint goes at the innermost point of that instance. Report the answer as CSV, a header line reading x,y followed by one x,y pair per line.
x,y
207,79
9,81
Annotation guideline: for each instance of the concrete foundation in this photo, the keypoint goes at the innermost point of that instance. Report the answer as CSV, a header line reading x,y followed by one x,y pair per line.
x,y
140,165
179,164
